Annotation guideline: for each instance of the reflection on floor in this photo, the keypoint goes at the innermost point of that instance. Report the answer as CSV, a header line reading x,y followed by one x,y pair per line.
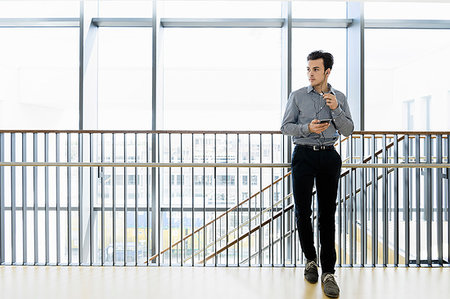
x,y
216,283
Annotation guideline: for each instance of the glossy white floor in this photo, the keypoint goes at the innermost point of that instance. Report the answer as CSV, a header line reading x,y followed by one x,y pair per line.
x,y
216,283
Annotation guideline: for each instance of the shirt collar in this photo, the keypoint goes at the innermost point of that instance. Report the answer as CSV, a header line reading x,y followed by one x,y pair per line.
x,y
310,88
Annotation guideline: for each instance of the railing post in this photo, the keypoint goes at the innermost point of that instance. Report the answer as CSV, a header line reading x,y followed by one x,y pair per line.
x,y
417,160
428,198
58,201
439,178
69,201
13,201
125,201
447,203
340,208
114,200
47,207
374,204
24,201
363,206
351,213
35,201
2,200
406,200
396,204
148,254
385,218
92,216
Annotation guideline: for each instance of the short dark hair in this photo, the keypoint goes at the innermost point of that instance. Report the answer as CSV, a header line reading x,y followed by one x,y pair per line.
x,y
328,59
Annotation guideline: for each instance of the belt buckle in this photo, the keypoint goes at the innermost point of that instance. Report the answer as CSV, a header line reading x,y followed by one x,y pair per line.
x,y
316,148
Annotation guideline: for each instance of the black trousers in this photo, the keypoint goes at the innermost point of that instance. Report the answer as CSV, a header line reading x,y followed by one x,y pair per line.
x,y
325,167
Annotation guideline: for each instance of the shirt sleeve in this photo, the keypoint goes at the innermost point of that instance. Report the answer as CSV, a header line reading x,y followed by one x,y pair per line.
x,y
289,125
342,118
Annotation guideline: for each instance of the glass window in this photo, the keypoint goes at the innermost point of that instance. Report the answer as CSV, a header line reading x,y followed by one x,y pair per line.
x,y
305,41
407,66
407,10
40,9
125,78
223,79
130,9
319,9
39,78
221,9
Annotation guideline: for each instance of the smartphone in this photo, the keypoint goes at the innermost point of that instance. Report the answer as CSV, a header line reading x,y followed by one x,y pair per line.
x,y
327,120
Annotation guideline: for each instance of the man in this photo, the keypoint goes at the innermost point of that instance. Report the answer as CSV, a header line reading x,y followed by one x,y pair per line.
x,y
314,157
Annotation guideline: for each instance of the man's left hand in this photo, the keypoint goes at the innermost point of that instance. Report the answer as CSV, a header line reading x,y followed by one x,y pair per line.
x,y
331,100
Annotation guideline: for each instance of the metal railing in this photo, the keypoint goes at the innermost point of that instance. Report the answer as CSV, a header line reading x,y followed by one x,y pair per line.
x,y
213,198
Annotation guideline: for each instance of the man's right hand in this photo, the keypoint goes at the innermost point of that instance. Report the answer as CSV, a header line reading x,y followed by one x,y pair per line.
x,y
316,127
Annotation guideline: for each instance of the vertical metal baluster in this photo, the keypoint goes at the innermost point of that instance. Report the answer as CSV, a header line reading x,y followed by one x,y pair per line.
x,y
428,198
315,223
170,200
113,159
58,202
69,204
345,223
80,200
158,148
215,201
283,195
249,202
181,192
385,183
406,195
24,199
291,225
439,177
169,136
351,208
91,201
396,191
147,209
35,201
260,237
447,201
102,198
418,201
2,201
374,204
363,207
271,243
340,208
13,200
136,227
125,199
226,200
237,199
355,205
47,208
204,202
193,203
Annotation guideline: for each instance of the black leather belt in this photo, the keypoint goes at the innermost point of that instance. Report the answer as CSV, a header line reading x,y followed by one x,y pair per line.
x,y
317,147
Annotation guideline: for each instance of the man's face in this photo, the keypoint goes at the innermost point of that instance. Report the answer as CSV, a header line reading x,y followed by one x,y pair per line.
x,y
316,72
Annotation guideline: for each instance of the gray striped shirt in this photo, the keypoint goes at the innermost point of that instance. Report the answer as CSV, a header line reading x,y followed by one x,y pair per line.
x,y
306,104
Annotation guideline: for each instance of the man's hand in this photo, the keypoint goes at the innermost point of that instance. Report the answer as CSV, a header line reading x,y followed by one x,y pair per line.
x,y
331,100
316,127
